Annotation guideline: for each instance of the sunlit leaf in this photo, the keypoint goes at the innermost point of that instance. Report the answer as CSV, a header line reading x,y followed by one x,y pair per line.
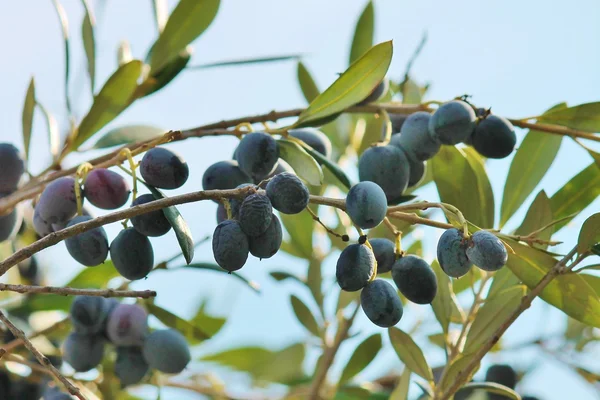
x,y
209,323
303,163
300,228
410,353
192,332
362,357
64,24
538,216
282,275
495,388
531,162
456,368
363,33
161,13
401,390
161,78
331,166
52,127
307,84
305,316
114,97
585,117
503,279
589,234
356,83
258,60
189,19
89,43
444,304
27,116
128,134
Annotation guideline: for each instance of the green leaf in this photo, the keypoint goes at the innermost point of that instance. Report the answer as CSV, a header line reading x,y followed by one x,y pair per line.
x,y
89,44
411,92
410,353
454,176
114,97
214,267
189,19
128,134
503,279
363,33
27,116
531,162
64,24
282,275
492,387
485,193
467,281
538,216
567,292
95,277
305,316
161,78
576,194
356,83
401,390
589,234
209,323
161,13
305,166
258,60
345,298
331,166
307,84
182,230
459,364
491,316
444,304
314,280
282,366
361,358
585,117
192,332
300,228
53,133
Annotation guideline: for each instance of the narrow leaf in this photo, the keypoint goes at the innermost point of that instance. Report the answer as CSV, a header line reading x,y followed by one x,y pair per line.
x,y
331,166
307,84
52,127
282,276
214,267
589,234
457,366
259,60
531,162
89,44
495,388
491,316
303,163
356,83
27,116
161,13
182,230
576,194
585,117
209,323
64,24
484,188
363,33
128,134
300,228
305,316
538,216
161,78
192,332
116,95
503,279
444,304
189,19
410,353
361,358
401,390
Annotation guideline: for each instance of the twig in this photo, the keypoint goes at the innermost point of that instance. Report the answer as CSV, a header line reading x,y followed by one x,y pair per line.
x,y
555,129
329,356
487,346
13,344
41,358
66,291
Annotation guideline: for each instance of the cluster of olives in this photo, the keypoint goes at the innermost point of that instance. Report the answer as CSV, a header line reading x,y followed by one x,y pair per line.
x,y
97,320
12,167
250,227
131,251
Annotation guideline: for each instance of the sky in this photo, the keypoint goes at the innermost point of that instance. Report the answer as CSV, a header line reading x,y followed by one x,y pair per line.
x,y
518,57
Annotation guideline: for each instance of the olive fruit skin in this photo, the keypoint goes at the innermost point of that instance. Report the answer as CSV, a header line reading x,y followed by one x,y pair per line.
x,y
58,204
267,244
167,351
355,267
12,166
504,375
106,189
257,154
486,251
41,227
164,168
377,93
414,137
415,279
130,366
11,222
132,254
221,213
281,167
230,245
366,204
127,325
381,303
224,175
255,214
494,137
288,194
383,249
386,166
452,253
314,138
417,172
89,248
88,314
453,122
154,223
83,352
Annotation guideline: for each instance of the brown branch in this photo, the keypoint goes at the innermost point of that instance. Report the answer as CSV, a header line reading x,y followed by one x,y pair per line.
x,y
41,358
13,344
555,129
487,346
329,356
68,291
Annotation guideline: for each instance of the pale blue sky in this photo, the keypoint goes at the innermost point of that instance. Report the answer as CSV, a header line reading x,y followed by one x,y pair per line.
x,y
520,57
